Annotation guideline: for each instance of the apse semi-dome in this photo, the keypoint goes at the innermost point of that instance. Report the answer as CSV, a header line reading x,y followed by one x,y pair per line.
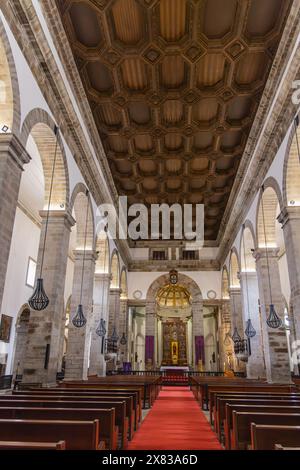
x,y
175,296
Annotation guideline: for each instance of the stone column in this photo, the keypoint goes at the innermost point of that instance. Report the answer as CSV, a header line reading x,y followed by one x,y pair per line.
x,y
150,358
77,355
274,340
44,331
236,309
224,334
255,364
12,158
113,322
114,311
123,327
100,310
290,220
197,328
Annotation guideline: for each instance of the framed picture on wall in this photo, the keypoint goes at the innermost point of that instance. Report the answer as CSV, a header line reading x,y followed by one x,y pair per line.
x,y
5,328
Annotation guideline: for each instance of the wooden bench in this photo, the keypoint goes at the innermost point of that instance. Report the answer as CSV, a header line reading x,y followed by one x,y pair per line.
x,y
241,435
109,431
119,408
280,447
221,412
78,435
247,388
230,408
131,412
19,445
265,437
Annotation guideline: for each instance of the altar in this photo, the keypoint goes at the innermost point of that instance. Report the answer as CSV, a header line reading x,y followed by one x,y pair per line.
x,y
174,368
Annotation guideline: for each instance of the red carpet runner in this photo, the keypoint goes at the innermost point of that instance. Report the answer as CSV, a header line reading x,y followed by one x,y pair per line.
x,y
175,422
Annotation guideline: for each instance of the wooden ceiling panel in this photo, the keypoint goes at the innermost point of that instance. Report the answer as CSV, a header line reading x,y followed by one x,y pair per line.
x,y
173,15
85,24
128,21
174,87
218,18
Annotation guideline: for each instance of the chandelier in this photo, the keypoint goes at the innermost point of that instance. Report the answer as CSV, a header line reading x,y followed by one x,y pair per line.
x,y
273,320
79,319
39,299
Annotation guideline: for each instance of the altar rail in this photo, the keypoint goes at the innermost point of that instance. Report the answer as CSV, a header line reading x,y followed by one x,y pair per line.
x,y
188,373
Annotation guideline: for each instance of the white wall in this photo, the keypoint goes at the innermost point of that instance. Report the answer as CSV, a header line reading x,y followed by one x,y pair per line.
x,y
16,293
206,280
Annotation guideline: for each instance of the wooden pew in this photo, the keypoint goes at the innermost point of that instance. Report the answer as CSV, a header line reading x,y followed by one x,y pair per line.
x,y
241,395
78,435
19,445
270,401
247,388
109,431
31,401
280,447
264,408
131,412
265,437
241,436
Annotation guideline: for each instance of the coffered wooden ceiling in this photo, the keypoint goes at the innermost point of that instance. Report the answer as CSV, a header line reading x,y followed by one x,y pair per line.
x,y
174,86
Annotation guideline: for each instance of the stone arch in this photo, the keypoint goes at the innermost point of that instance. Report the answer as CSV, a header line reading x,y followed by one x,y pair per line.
x,y
225,283
78,203
196,308
271,197
10,107
115,269
123,283
40,126
22,325
247,242
291,170
102,249
234,268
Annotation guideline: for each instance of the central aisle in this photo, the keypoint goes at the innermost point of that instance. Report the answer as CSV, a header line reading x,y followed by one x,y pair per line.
x,y
175,422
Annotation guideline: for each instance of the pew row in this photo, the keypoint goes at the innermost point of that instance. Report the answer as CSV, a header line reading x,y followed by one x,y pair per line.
x,y
78,435
265,437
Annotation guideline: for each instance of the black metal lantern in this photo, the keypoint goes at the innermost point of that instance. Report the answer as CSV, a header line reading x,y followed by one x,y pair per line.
x,y
235,337
79,319
273,320
39,299
249,331
123,340
101,330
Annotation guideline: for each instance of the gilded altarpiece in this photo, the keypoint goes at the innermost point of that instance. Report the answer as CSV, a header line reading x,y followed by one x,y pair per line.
x,y
174,340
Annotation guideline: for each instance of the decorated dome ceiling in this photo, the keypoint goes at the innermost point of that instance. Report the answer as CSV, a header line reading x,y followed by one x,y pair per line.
x,y
174,86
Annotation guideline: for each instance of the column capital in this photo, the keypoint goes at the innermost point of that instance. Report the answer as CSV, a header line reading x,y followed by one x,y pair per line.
x,y
55,215
234,290
89,255
289,213
115,290
12,146
250,275
104,277
261,253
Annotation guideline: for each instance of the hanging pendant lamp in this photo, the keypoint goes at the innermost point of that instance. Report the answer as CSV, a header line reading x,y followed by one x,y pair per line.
x,y
79,319
123,339
39,299
249,331
101,329
235,337
273,320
